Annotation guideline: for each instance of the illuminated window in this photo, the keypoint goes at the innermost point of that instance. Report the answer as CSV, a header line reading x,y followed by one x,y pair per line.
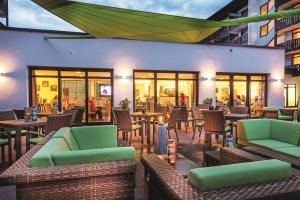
x,y
264,30
290,95
264,9
296,59
296,33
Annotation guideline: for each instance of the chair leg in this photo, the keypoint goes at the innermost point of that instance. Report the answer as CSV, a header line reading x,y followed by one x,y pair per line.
x,y
3,153
9,150
200,130
224,140
194,130
176,135
130,139
142,136
154,132
169,134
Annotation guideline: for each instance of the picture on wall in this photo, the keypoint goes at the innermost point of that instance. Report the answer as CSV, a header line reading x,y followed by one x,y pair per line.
x,y
45,83
53,88
38,88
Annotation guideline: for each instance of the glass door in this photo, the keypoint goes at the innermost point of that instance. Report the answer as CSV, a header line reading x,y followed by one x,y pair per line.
x,y
223,91
257,95
187,89
239,90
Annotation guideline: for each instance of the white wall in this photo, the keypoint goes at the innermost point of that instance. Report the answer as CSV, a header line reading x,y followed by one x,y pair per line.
x,y
20,49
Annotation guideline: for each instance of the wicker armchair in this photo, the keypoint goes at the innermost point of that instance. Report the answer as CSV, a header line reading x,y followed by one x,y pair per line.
x,y
204,106
214,123
126,125
106,180
54,123
183,117
78,119
269,114
239,109
198,121
166,183
74,115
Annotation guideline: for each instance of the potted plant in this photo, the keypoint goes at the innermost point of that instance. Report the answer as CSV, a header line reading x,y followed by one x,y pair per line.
x,y
125,103
207,101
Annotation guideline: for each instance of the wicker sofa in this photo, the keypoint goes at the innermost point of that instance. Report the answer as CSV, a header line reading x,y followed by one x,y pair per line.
x,y
166,183
111,179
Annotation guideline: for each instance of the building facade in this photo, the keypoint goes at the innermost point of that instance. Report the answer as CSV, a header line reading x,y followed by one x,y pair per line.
x,y
82,72
281,33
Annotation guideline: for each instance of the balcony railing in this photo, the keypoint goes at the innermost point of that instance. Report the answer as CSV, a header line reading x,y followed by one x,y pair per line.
x,y
286,22
291,45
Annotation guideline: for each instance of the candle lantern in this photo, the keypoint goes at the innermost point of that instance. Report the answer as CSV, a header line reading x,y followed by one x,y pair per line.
x,y
172,151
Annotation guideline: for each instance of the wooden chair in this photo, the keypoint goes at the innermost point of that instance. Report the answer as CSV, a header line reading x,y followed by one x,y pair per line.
x,y
172,122
214,123
126,125
79,115
269,114
19,113
74,115
183,117
198,121
54,123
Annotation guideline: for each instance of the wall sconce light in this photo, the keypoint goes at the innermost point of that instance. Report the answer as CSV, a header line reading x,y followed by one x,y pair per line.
x,y
1,74
207,79
276,80
124,77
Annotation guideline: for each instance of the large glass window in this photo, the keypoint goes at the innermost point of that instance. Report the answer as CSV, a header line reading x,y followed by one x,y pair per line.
x,y
290,95
165,88
90,89
242,90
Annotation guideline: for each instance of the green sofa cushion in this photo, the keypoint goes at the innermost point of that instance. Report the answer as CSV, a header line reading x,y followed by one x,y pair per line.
x,y
43,158
95,137
285,117
285,131
68,136
292,151
253,129
94,155
232,175
36,140
271,144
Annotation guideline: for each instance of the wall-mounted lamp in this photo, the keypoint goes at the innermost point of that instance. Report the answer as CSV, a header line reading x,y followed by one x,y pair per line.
x,y
1,74
207,79
123,77
276,80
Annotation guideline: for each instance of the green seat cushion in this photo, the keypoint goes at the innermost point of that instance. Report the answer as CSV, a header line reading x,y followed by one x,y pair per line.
x,y
253,129
43,158
68,136
14,132
36,140
136,126
95,137
271,144
273,108
227,128
94,155
3,141
292,151
285,131
210,178
285,117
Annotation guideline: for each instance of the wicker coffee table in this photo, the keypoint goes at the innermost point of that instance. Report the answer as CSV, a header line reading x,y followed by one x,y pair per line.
x,y
183,165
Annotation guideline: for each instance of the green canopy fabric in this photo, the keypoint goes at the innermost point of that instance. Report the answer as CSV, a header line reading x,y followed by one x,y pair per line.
x,y
108,22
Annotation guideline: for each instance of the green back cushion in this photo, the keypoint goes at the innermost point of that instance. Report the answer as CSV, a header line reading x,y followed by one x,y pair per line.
x,y
285,131
68,136
43,158
218,177
253,129
273,108
95,137
94,155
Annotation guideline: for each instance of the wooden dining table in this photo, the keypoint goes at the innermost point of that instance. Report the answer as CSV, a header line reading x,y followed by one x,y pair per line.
x,y
235,116
47,114
18,125
147,117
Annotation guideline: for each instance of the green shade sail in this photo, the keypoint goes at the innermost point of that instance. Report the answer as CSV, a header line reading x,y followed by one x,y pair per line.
x,y
109,22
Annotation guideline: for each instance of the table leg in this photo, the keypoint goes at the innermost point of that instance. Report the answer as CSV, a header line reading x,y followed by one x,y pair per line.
x,y
148,131
18,143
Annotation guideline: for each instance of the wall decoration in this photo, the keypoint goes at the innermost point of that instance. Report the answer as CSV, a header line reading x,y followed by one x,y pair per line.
x,y
45,83
53,88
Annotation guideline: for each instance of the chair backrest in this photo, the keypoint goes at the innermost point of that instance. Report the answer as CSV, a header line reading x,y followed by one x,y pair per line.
x,y
170,108
74,115
173,118
197,114
214,121
203,106
55,122
28,109
47,108
123,119
269,114
239,109
183,113
162,109
79,115
19,113
7,115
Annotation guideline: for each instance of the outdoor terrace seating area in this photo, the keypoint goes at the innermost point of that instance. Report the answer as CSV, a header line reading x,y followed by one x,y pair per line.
x,y
133,158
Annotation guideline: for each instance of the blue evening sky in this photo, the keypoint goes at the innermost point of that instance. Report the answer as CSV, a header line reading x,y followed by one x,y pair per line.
x,y
26,14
